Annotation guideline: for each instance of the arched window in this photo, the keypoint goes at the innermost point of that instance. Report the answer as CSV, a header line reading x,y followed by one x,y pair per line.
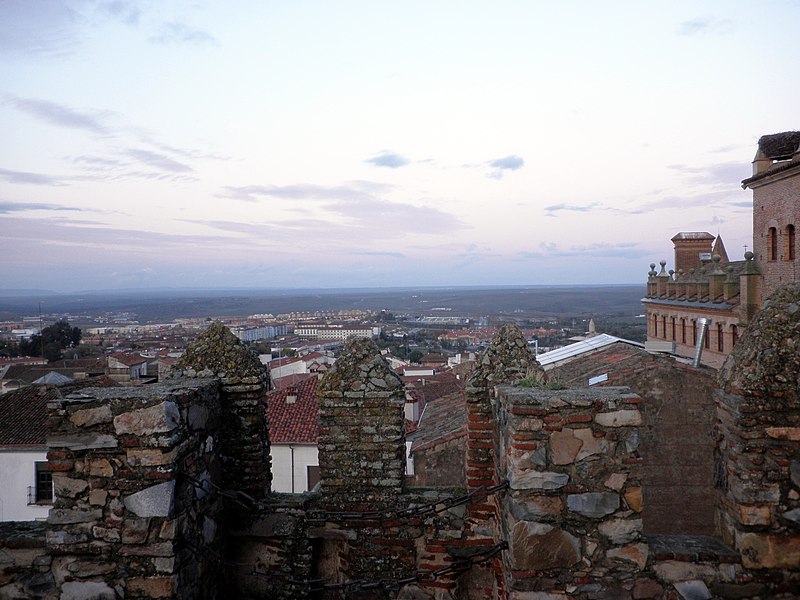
x,y
655,325
720,342
734,334
683,331
788,253
672,337
664,327
694,332
772,244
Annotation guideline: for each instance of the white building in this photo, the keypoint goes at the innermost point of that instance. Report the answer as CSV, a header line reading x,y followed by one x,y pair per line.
x,y
336,332
26,484
293,432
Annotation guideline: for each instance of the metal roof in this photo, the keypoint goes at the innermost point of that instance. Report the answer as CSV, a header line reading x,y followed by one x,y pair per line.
x,y
588,345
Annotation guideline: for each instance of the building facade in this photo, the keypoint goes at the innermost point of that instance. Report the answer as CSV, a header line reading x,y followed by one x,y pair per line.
x,y
700,307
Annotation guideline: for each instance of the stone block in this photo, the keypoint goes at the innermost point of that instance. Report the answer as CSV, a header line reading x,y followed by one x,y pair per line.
x,y
535,507
692,590
155,501
634,553
564,447
537,480
749,492
151,587
134,531
100,467
763,551
146,457
536,546
82,441
676,570
633,498
98,497
784,433
619,418
160,418
647,589
90,568
593,504
616,481
91,416
591,445
621,531
87,590
754,515
68,487
66,516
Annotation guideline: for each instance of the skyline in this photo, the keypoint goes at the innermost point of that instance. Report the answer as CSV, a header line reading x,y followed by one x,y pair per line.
x,y
307,145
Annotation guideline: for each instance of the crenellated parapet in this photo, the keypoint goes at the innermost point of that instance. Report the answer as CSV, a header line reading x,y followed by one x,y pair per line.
x,y
759,427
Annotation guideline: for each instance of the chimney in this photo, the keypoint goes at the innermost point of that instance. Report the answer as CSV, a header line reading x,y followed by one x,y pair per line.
x,y
291,395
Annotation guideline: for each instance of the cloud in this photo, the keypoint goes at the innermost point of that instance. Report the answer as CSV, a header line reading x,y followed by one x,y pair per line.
x,y
512,162
597,250
727,173
125,12
554,208
9,207
175,32
97,160
388,159
58,114
386,254
158,161
703,25
45,28
26,177
304,191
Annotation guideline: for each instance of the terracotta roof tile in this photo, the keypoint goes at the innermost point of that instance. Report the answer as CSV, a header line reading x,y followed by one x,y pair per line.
x,y
294,422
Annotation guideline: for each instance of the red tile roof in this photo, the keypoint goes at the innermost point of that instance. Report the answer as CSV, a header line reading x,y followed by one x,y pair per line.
x,y
294,422
23,411
443,419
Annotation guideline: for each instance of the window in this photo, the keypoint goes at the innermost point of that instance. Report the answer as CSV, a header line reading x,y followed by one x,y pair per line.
x,y
664,327
673,329
694,333
772,244
683,331
42,492
734,334
720,342
312,472
789,243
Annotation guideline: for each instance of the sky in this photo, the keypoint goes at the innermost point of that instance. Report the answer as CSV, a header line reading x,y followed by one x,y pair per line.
x,y
267,144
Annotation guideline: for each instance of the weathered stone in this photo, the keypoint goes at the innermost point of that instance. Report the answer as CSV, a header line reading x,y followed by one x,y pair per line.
x,y
90,568
634,553
537,480
564,447
593,504
151,549
646,589
763,551
535,507
155,501
591,445
784,433
794,472
161,418
197,417
676,570
65,516
91,416
134,531
748,492
792,515
151,587
754,515
536,596
98,497
82,441
86,590
692,590
100,467
619,418
68,487
538,546
633,498
621,531
145,457
616,481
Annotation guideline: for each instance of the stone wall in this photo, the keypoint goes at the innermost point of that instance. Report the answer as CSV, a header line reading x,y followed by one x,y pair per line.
x,y
24,562
133,472
677,437
572,516
759,440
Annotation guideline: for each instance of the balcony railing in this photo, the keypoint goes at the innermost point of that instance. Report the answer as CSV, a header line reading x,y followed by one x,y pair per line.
x,y
40,496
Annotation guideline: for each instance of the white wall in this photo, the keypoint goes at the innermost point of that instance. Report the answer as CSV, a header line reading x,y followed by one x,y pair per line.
x,y
304,455
17,472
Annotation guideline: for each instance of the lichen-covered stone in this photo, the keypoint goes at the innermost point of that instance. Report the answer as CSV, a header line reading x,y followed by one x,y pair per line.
x,y
219,353
507,360
766,359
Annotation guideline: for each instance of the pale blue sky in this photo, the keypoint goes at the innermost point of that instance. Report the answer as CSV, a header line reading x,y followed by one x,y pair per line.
x,y
339,144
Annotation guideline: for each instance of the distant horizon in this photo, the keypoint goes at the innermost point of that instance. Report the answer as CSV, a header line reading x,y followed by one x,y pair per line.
x,y
11,293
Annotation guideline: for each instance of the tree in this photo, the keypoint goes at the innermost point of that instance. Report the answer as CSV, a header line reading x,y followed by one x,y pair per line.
x,y
53,340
